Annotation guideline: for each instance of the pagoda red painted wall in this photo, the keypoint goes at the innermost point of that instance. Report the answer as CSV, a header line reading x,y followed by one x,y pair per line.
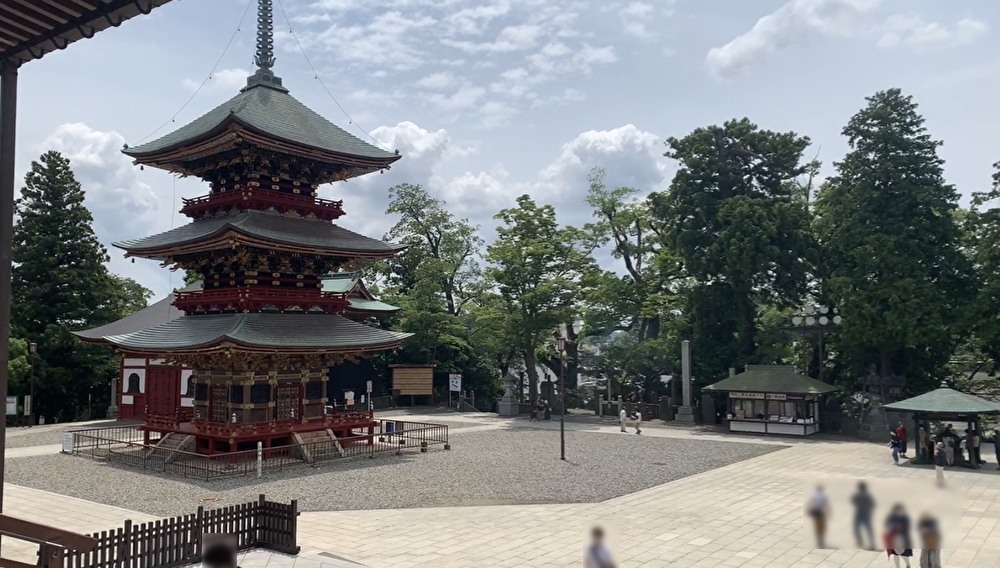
x,y
151,383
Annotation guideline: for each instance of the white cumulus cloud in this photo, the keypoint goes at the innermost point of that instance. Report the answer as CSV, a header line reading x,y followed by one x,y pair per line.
x,y
914,31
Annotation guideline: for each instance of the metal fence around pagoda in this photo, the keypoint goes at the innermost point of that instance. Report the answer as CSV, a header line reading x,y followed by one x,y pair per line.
x,y
124,445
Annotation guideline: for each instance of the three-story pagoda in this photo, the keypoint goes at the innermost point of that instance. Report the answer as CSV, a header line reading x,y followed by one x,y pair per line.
x,y
261,332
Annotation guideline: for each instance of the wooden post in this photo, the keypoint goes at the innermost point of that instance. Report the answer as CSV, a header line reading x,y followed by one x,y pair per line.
x,y
8,131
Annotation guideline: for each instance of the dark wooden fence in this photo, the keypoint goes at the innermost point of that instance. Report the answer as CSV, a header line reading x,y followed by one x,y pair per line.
x,y
177,541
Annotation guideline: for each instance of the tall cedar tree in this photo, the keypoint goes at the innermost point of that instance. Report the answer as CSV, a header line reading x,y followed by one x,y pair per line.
x,y
535,266
738,219
984,229
888,224
61,284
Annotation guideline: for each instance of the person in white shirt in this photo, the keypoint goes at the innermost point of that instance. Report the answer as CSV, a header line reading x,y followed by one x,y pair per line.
x,y
638,422
819,509
621,418
598,555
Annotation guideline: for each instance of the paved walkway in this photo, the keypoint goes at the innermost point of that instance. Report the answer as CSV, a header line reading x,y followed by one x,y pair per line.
x,y
748,514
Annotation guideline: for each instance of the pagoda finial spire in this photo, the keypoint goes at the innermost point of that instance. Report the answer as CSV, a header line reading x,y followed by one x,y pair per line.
x,y
264,57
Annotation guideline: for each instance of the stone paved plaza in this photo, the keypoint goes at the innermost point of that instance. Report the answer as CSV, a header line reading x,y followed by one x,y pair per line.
x,y
747,514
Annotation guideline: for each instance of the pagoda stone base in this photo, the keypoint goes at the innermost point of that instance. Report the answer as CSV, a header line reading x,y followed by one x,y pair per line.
x,y
686,414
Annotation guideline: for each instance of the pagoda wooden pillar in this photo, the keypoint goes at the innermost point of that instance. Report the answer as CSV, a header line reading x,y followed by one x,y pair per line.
x,y
8,134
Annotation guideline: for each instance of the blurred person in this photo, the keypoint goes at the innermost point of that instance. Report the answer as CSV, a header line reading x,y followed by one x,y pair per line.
x,y
897,536
818,508
598,555
924,445
930,542
864,505
949,451
894,446
939,463
974,455
622,417
996,444
219,551
638,422
901,432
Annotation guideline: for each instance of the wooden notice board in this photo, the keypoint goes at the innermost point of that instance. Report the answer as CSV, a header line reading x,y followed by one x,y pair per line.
x,y
413,380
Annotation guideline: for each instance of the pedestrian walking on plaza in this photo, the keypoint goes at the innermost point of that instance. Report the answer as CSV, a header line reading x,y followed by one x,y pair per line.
x,y
949,451
638,422
897,536
894,445
864,505
924,445
996,444
901,432
939,462
598,555
818,508
622,417
930,542
974,455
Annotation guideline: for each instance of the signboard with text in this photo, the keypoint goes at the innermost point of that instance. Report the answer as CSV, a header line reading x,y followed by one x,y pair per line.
x,y
455,383
11,405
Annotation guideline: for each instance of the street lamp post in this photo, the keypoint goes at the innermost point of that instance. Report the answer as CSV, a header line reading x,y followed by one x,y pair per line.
x,y
561,348
33,351
816,319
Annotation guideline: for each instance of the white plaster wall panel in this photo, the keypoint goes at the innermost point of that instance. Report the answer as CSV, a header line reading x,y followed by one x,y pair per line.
x,y
187,402
185,375
127,379
157,361
127,399
134,362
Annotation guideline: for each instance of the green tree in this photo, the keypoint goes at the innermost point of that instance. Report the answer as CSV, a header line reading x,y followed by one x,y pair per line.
x,y
738,218
892,244
440,248
60,284
982,348
535,267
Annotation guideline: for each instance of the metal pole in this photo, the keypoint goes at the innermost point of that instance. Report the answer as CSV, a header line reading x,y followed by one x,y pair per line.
x,y
562,415
8,114
821,359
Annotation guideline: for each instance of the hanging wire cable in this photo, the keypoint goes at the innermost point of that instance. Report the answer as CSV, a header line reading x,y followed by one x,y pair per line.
x,y
281,6
207,77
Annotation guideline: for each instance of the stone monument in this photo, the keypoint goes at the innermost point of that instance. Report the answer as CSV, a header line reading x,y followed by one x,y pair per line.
x,y
508,405
685,412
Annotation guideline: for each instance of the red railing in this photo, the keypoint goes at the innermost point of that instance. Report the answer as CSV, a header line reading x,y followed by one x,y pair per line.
x,y
256,299
255,198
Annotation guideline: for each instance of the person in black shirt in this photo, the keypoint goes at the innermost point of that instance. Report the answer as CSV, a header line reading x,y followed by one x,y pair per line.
x,y
864,504
897,536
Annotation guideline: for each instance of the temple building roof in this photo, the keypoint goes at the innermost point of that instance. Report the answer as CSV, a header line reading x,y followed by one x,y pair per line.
x,y
265,106
259,332
359,301
259,228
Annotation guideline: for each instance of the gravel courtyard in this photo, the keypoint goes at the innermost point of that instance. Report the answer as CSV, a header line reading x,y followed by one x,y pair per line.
x,y
492,467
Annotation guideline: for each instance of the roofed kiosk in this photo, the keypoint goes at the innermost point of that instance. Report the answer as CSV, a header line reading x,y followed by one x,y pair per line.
x,y
261,331
772,399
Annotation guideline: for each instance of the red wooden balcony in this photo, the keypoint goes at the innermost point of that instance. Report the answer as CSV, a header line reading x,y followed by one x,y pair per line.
x,y
259,299
258,199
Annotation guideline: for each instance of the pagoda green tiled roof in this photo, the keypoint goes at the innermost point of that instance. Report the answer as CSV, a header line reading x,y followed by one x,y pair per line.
x,y
772,379
273,227
264,331
266,106
365,305
341,282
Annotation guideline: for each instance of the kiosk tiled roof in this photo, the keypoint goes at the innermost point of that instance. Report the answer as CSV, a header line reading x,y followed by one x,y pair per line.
x,y
945,400
774,379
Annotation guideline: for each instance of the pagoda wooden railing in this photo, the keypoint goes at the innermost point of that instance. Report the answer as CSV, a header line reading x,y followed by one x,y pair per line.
x,y
262,199
259,299
54,545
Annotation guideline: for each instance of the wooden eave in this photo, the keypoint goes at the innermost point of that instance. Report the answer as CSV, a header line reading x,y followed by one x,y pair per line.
x,y
29,29
233,131
227,343
231,238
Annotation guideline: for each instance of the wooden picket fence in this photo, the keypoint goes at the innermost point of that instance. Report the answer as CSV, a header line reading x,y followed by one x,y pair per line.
x,y
177,541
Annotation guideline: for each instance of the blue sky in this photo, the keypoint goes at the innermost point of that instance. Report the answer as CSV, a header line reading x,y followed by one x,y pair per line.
x,y
491,99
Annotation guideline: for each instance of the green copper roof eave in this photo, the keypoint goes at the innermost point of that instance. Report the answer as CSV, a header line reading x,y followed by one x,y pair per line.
x,y
365,305
341,282
256,331
772,379
280,229
945,401
274,112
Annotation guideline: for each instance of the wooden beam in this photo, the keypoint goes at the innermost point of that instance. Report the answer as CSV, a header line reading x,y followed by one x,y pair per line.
x,y
5,563
43,534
